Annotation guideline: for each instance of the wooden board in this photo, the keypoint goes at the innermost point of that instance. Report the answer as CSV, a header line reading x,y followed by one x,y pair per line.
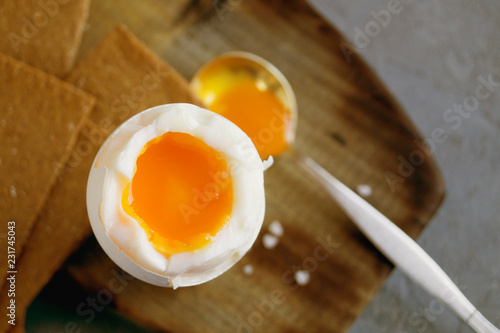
x,y
348,122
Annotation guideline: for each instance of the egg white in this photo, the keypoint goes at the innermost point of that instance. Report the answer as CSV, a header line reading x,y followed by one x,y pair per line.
x,y
121,236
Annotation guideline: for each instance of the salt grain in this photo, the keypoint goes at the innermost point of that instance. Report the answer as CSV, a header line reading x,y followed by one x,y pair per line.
x,y
248,269
13,151
276,228
269,241
302,277
80,83
364,190
13,191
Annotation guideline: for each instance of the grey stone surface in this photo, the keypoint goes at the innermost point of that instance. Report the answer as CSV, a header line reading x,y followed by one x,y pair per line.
x,y
430,55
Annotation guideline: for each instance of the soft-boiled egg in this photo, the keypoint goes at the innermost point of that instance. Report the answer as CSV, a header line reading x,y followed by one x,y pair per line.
x,y
176,195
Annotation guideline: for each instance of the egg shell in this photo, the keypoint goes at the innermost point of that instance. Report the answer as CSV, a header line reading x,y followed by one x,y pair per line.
x,y
121,236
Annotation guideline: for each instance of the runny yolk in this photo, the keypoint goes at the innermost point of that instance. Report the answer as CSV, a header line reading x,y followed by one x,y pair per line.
x,y
259,113
181,193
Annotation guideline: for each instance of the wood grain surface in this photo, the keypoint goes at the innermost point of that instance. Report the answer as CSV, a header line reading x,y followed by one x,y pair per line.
x,y
348,122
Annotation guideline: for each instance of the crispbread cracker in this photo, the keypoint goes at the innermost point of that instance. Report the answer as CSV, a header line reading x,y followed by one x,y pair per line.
x,y
127,77
45,34
118,67
39,120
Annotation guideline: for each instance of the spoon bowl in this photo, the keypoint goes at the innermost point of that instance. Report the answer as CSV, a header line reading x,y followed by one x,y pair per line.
x,y
218,76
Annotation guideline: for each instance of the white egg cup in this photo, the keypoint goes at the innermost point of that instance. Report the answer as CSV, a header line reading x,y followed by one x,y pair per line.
x,y
248,214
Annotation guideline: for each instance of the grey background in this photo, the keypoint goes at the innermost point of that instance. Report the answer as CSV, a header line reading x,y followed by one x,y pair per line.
x,y
429,55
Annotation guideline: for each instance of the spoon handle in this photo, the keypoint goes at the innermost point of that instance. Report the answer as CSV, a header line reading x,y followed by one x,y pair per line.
x,y
398,247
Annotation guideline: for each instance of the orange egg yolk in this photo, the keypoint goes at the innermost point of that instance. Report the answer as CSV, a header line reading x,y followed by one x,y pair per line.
x,y
181,193
259,113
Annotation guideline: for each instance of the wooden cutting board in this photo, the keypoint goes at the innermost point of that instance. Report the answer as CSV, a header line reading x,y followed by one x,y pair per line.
x,y
348,122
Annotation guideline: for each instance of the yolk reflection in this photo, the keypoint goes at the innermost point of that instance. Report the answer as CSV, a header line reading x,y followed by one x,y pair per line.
x,y
181,193
259,113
